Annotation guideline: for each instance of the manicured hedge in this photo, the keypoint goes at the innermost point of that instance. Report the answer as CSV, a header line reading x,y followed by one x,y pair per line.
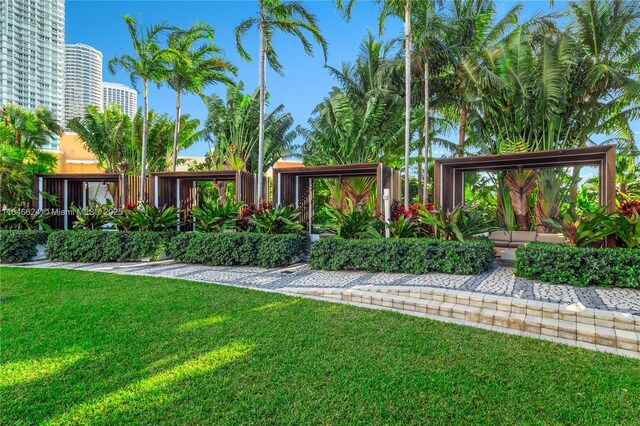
x,y
240,248
106,246
558,264
411,255
20,246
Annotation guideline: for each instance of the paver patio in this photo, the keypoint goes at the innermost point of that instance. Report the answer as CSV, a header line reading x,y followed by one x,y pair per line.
x,y
499,280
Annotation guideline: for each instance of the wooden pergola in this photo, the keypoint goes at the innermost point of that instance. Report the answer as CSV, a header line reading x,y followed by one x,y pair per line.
x,y
179,189
449,172
73,189
294,186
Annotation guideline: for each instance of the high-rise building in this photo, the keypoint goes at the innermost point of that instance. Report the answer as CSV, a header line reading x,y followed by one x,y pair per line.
x,y
119,94
82,80
32,54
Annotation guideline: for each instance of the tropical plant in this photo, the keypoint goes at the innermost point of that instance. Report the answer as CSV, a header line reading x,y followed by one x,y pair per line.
x,y
473,29
212,216
279,220
403,227
146,217
27,129
432,54
92,217
149,65
401,9
27,221
247,212
290,17
343,132
23,134
106,134
627,207
626,228
459,224
585,230
357,222
126,219
160,138
233,125
195,62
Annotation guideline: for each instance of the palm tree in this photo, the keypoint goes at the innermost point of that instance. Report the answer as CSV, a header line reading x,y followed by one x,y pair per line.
x,y
147,64
473,32
29,130
233,127
107,134
431,50
193,67
401,9
160,138
290,17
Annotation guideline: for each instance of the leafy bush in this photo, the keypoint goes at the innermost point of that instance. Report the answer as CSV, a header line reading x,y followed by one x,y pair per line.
x,y
357,222
411,255
458,224
558,264
105,246
20,246
279,220
241,248
215,217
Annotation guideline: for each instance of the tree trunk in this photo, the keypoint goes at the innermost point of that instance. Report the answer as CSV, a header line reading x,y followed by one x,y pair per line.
x,y
425,188
407,90
420,189
221,186
145,124
463,130
176,132
262,100
573,192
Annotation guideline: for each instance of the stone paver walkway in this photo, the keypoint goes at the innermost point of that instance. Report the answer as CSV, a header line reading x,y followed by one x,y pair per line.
x,y
499,280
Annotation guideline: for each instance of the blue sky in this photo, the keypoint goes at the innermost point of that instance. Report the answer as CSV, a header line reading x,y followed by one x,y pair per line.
x,y
305,82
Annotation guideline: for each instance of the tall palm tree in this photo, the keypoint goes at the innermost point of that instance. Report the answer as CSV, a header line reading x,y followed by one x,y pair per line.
x,y
290,17
401,9
147,64
196,62
431,51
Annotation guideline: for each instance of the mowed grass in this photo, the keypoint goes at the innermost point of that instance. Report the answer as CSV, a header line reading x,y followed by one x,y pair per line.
x,y
91,348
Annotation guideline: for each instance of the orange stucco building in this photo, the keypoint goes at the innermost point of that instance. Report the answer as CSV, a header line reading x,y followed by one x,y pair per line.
x,y
73,157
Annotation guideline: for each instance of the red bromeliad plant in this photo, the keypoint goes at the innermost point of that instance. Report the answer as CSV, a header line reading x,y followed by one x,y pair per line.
x,y
397,210
412,216
247,212
627,207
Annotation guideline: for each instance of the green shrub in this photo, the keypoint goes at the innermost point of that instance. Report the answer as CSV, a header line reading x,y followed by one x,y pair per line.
x,y
106,246
410,255
558,264
20,246
239,248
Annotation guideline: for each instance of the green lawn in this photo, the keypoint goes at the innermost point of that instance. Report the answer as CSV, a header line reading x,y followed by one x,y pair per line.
x,y
80,347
